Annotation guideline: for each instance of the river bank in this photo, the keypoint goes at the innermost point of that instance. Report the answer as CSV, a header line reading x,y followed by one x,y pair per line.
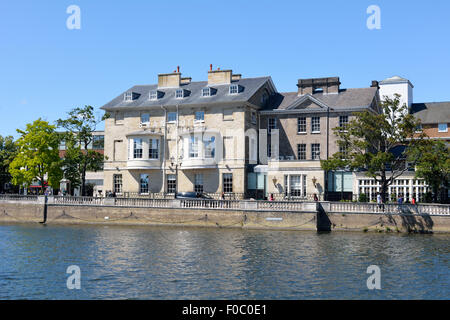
x,y
313,217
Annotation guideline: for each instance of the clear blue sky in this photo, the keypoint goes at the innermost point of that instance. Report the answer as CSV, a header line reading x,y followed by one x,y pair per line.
x,y
47,69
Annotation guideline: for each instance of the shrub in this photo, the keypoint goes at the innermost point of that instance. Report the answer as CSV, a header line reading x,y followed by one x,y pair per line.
x,y
362,197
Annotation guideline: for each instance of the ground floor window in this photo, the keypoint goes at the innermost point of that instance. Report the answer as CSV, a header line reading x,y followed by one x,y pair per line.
x,y
405,188
171,183
295,185
227,182
117,183
198,184
143,188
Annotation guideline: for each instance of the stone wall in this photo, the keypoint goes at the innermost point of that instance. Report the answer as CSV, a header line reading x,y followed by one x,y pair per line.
x,y
16,212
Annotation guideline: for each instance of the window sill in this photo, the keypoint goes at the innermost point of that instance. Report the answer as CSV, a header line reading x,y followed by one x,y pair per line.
x,y
302,133
315,132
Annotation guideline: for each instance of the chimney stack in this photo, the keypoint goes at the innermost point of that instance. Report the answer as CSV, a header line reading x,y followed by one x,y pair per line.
x,y
316,85
170,80
375,84
219,76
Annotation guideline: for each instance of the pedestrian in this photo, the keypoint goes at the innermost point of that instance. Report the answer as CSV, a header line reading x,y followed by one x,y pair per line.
x,y
413,200
271,197
223,195
400,200
315,197
380,201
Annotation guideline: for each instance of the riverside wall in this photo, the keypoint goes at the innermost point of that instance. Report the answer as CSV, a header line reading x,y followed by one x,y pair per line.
x,y
17,212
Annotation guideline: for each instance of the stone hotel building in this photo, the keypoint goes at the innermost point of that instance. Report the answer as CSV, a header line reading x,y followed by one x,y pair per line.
x,y
221,135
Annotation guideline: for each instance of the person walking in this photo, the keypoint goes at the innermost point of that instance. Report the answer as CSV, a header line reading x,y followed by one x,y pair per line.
x,y
380,201
315,197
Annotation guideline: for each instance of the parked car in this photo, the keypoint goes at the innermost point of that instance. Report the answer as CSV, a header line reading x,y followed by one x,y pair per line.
x,y
192,195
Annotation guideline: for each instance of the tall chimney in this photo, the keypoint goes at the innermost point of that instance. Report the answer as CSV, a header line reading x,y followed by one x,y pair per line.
x,y
169,80
219,76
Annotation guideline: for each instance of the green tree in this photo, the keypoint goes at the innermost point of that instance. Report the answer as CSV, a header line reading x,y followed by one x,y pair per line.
x,y
433,165
80,124
379,143
37,156
8,150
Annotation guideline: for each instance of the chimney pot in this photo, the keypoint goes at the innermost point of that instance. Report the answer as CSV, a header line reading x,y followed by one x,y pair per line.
x,y
178,69
210,67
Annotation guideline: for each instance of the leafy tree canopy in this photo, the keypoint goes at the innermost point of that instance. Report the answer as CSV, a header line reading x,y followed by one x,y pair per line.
x,y
379,143
433,165
8,150
37,155
79,158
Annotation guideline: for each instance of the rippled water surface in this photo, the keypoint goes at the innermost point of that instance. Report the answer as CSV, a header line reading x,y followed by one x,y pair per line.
x,y
176,263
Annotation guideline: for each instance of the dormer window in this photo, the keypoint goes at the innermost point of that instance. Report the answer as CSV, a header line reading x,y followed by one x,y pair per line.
x,y
153,95
179,94
206,92
128,96
234,89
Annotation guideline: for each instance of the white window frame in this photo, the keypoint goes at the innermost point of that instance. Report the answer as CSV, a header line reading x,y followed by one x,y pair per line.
x,y
312,124
234,89
172,121
136,146
141,191
206,92
275,126
209,147
343,124
177,92
303,151
147,122
153,95
203,116
442,130
199,183
128,96
151,142
313,153
194,147
298,125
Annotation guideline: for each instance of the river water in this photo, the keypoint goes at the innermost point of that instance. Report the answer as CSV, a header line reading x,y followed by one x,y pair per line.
x,y
196,263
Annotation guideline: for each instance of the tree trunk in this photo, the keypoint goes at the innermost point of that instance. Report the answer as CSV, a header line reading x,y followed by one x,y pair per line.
x,y
383,186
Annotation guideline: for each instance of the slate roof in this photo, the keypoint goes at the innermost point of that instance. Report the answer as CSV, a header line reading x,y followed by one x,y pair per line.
x,y
345,99
247,88
431,112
